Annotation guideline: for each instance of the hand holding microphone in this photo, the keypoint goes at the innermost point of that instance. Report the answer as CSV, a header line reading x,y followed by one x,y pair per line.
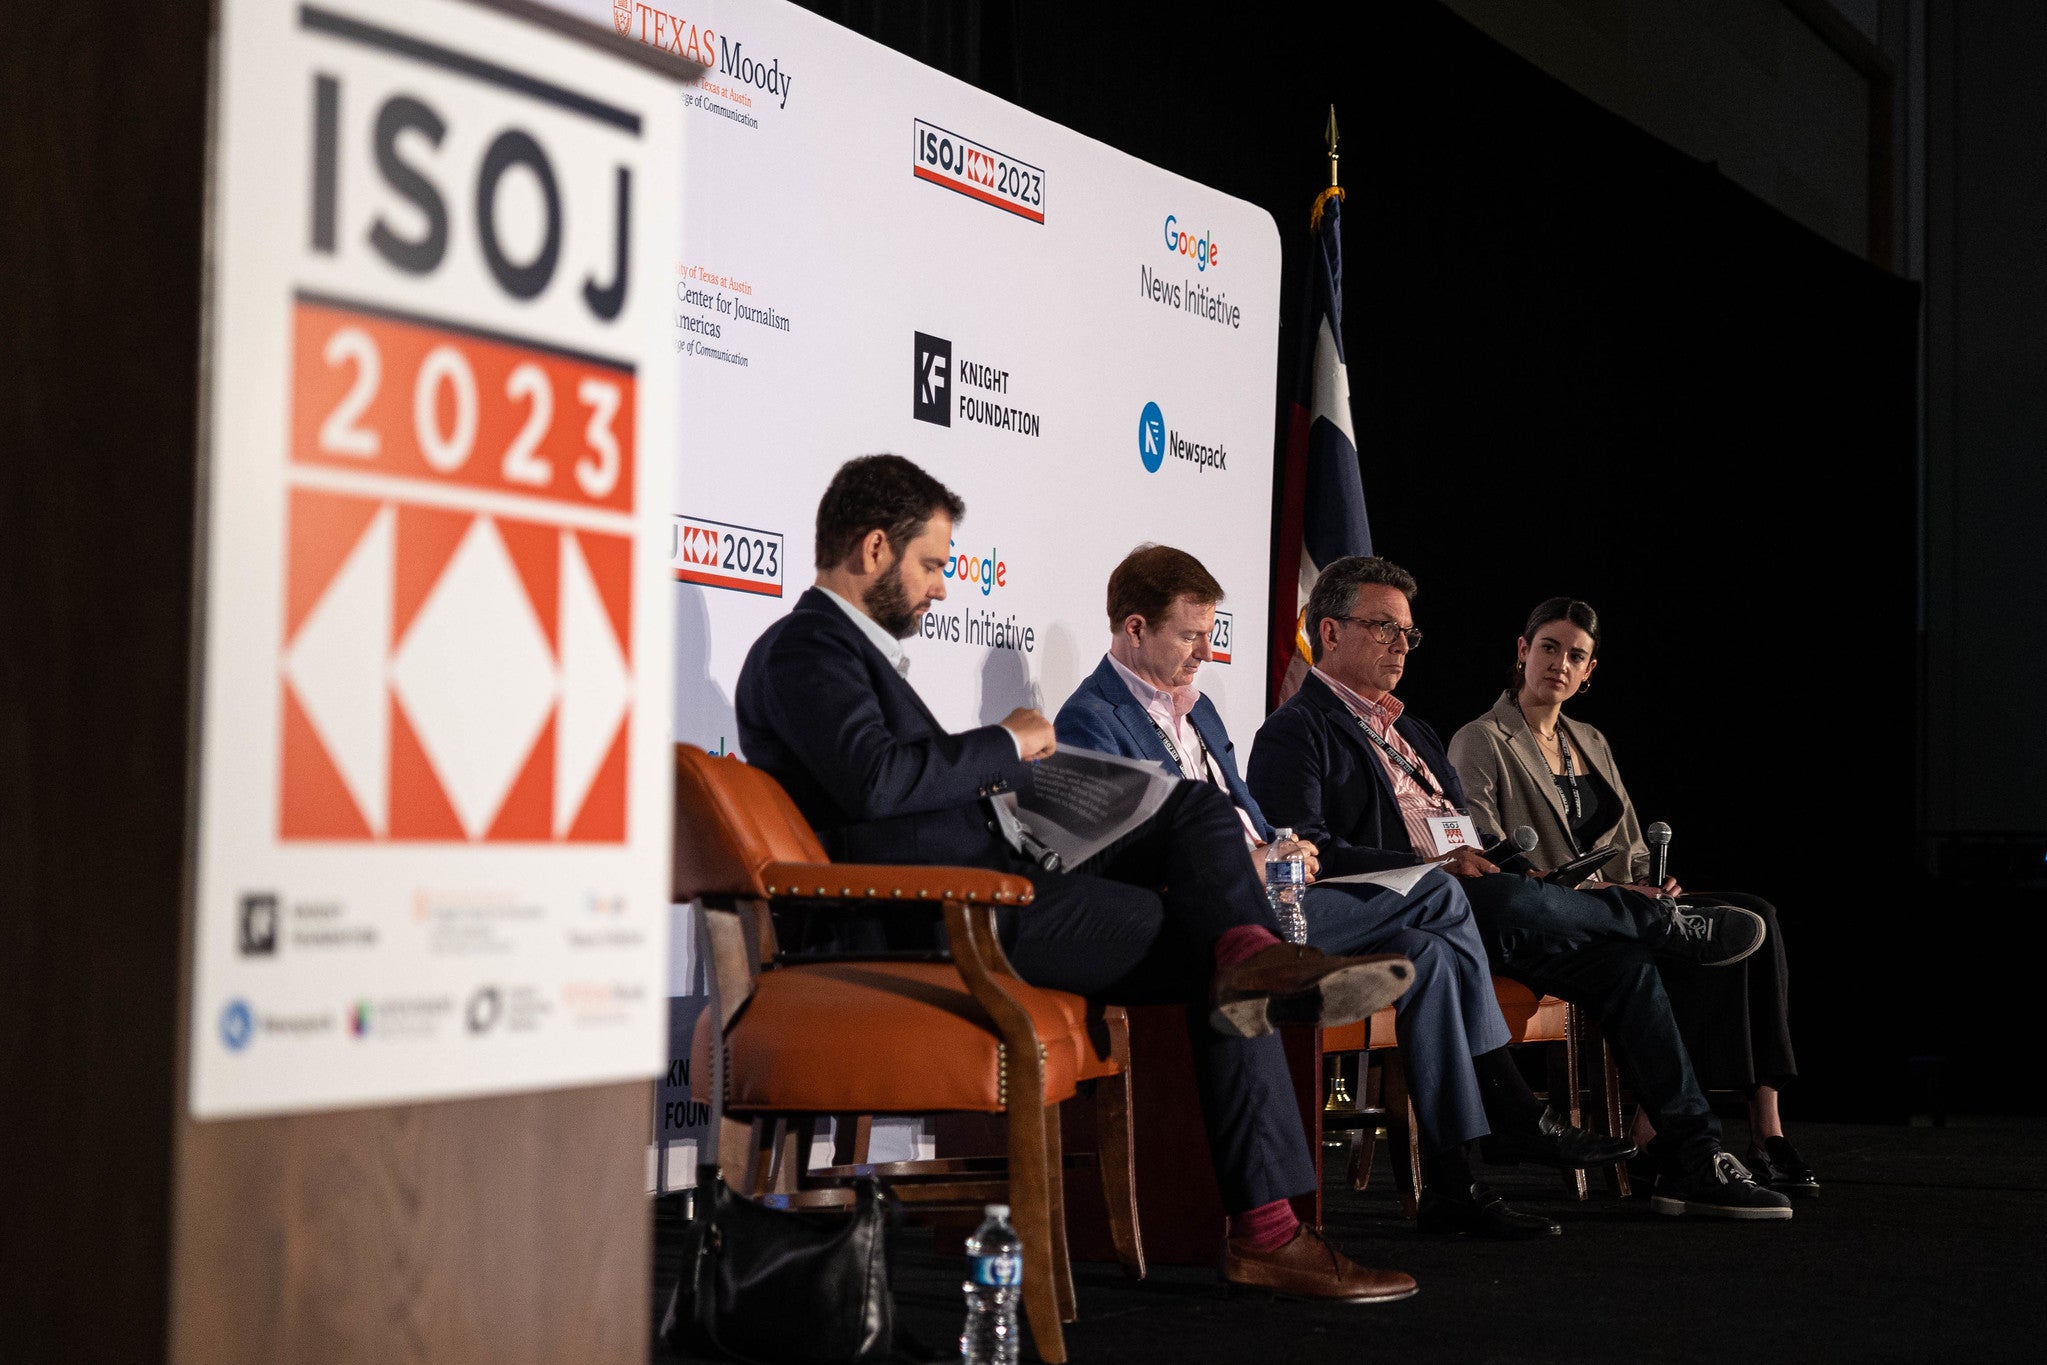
x,y
1520,841
1658,837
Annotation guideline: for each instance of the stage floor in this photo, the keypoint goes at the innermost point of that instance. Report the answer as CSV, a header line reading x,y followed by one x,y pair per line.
x,y
1926,1243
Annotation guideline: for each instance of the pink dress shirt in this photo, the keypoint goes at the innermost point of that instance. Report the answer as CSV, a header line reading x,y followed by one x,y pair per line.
x,y
1417,802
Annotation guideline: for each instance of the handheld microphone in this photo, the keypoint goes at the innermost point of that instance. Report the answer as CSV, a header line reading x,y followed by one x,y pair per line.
x,y
1520,841
1658,836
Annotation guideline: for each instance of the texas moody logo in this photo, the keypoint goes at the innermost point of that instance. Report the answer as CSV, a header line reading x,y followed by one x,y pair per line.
x,y
718,53
979,172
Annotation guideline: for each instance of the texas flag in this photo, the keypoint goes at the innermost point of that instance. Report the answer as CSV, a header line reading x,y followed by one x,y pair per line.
x,y
1322,498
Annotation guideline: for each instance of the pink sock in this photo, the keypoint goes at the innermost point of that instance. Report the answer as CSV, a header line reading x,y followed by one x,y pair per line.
x,y
1241,942
1265,1228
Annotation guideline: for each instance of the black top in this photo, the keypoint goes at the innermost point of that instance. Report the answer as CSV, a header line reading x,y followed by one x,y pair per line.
x,y
1598,806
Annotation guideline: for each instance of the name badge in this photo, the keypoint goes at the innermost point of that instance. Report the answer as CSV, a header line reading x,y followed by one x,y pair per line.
x,y
1452,832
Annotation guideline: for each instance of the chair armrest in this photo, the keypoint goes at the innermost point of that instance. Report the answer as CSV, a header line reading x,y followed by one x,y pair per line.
x,y
884,882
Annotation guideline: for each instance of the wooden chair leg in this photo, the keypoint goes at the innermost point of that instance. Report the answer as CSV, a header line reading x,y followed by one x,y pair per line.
x,y
1610,1103
1574,1180
737,1139
1364,1144
1116,1156
1062,1255
1401,1134
789,1153
1030,1201
852,1137
756,1158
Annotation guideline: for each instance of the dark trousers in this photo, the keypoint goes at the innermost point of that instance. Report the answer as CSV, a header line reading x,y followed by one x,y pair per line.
x,y
1736,1020
1138,926
1547,938
1450,1012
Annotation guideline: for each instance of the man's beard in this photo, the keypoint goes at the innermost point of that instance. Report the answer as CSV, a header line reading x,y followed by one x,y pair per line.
x,y
889,605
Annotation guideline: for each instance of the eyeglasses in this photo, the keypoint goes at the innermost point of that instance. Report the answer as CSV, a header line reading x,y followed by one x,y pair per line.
x,y
1385,631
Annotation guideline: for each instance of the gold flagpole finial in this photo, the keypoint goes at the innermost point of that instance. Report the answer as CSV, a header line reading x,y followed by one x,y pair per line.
x,y
1329,137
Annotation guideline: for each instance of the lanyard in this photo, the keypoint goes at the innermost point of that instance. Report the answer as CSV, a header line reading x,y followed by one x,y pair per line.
x,y
1421,776
1174,749
1570,778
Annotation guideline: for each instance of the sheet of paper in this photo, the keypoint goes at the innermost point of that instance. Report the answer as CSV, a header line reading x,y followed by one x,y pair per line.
x,y
1400,879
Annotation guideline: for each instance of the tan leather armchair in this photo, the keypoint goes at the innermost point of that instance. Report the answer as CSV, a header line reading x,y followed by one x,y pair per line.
x,y
883,1035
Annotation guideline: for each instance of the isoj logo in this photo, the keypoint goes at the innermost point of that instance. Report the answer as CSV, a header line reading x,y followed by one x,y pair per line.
x,y
1151,437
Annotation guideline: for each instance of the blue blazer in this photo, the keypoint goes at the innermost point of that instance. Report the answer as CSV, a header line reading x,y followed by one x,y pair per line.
x,y
1314,769
1103,715
872,770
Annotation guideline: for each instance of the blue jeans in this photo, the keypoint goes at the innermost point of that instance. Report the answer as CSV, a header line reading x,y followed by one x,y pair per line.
x,y
1449,1014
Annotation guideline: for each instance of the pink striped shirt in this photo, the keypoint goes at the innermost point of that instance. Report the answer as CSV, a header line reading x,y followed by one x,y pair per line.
x,y
1417,802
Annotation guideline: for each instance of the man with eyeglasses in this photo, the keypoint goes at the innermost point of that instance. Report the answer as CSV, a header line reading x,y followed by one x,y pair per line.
x,y
1345,766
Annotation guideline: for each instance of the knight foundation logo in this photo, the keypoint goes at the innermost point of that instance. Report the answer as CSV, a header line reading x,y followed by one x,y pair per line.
x,y
934,380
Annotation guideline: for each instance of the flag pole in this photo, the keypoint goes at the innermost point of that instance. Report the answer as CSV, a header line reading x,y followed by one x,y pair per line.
x,y
1329,136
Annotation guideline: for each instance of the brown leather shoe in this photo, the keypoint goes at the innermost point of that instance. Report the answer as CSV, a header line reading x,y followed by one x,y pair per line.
x,y
1290,983
1309,1268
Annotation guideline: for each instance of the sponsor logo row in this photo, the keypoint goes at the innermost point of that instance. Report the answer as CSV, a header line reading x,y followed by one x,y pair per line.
x,y
489,1008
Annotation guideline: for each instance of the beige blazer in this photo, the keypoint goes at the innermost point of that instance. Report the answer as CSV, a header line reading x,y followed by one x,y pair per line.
x,y
1507,784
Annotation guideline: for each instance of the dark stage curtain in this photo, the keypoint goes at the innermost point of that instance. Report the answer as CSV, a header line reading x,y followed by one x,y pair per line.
x,y
1582,362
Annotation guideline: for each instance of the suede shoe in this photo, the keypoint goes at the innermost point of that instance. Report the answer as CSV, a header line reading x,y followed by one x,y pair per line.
x,y
1483,1212
1712,935
1553,1141
1309,1268
1778,1166
1720,1187
1290,983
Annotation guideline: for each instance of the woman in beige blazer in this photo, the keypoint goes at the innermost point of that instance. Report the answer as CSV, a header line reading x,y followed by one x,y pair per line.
x,y
1523,763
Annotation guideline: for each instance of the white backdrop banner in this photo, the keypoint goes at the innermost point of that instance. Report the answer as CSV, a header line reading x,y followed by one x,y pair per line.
x,y
876,256
433,773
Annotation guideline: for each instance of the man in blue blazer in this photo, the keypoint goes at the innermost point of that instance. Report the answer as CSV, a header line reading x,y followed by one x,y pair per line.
x,y
1174,914
1142,702
1343,763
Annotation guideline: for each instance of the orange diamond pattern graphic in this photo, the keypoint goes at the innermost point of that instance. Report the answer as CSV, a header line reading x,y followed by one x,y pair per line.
x,y
452,676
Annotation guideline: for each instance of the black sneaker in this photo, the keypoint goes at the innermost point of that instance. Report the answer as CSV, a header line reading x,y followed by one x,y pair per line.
x,y
1720,1188
1712,935
1555,1141
1778,1166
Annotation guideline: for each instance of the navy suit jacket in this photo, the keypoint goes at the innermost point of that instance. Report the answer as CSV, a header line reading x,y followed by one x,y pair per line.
x,y
880,780
1103,715
1314,769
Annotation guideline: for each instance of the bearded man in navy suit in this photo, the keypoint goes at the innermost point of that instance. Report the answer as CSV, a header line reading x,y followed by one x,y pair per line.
x,y
1142,702
1171,914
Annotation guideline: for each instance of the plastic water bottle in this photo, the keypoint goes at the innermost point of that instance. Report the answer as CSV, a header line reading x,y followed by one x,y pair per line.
x,y
1286,878
994,1282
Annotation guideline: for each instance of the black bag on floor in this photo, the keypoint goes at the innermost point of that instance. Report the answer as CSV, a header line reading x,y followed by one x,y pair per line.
x,y
767,1287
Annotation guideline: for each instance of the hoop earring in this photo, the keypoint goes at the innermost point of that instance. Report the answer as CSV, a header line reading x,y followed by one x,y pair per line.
x,y
1583,688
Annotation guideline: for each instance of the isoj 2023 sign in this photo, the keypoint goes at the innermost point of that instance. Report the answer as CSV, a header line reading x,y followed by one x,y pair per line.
x,y
442,428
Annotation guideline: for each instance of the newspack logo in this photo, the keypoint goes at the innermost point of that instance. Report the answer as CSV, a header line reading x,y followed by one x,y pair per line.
x,y
1156,441
934,380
